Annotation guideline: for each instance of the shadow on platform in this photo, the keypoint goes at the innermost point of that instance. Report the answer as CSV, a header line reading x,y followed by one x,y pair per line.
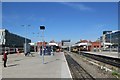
x,y
52,61
12,65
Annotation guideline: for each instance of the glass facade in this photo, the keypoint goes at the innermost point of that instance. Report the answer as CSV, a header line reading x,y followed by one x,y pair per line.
x,y
11,40
112,37
2,36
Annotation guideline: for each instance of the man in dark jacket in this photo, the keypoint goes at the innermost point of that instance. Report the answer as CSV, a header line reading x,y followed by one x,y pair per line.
x,y
5,58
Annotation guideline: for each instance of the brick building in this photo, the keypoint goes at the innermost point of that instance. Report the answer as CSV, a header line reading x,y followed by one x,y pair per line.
x,y
41,43
95,46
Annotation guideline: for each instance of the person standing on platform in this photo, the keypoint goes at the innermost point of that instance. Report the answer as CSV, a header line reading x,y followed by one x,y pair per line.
x,y
5,58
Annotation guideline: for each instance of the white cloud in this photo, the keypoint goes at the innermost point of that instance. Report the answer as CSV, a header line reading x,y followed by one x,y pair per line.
x,y
80,6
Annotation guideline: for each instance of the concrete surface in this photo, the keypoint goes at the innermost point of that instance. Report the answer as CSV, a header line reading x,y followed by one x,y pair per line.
x,y
0,67
108,54
20,66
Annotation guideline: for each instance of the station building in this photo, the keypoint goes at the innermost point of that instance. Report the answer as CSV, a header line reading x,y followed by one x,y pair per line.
x,y
95,46
111,37
85,45
8,39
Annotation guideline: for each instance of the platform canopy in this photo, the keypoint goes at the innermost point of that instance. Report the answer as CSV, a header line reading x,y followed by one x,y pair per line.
x,y
83,44
64,46
106,43
53,44
32,44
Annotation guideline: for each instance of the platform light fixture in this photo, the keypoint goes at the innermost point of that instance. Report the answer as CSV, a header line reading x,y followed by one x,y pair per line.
x,y
42,28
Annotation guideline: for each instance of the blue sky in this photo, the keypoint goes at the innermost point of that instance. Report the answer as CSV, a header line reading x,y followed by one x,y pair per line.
x,y
63,20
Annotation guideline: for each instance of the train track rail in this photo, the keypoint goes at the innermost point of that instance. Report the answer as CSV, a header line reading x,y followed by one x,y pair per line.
x,y
108,60
77,71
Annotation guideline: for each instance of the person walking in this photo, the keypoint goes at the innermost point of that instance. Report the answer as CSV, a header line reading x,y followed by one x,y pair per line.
x,y
5,58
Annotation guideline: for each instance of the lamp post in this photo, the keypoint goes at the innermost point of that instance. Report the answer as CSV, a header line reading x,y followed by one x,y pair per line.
x,y
42,28
36,45
118,45
35,42
25,44
119,50
110,42
69,48
99,40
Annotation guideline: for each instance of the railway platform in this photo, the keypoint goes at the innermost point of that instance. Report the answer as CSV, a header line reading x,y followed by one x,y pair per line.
x,y
107,54
20,66
110,58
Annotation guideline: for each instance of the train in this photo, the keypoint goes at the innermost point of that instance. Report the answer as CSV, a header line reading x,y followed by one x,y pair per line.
x,y
10,50
80,48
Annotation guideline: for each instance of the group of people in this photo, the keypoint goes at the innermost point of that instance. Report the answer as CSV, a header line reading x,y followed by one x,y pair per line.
x,y
28,53
5,57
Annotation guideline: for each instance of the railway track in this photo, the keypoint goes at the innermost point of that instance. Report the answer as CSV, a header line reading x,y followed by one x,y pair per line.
x,y
108,60
76,70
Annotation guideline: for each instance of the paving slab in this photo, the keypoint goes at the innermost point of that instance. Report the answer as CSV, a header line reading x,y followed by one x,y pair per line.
x,y
107,54
1,66
20,66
